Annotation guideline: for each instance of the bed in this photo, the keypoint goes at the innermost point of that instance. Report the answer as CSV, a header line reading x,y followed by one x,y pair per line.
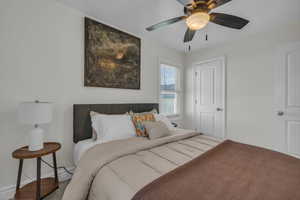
x,y
193,165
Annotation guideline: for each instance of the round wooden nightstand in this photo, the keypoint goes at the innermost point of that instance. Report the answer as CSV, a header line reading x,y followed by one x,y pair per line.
x,y
40,188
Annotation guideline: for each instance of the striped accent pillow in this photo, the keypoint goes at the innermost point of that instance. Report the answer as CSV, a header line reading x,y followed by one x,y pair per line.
x,y
138,119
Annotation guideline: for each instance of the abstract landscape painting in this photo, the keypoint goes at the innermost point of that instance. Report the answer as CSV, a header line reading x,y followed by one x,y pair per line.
x,y
112,57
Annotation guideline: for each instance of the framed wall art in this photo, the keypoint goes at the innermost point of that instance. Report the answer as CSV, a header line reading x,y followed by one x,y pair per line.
x,y
112,57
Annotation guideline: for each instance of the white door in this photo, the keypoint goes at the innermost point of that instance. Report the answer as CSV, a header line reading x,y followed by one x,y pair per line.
x,y
287,97
209,97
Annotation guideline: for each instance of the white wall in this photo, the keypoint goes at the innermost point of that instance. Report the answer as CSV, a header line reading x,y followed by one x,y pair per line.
x,y
42,57
250,71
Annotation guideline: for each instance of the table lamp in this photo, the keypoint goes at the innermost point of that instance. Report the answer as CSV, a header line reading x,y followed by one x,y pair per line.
x,y
35,113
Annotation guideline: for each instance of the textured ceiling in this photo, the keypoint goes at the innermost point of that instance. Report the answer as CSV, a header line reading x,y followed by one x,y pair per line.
x,y
135,15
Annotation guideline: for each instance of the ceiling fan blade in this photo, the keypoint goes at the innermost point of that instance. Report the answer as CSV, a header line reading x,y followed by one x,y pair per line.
x,y
216,3
185,2
165,23
189,35
228,20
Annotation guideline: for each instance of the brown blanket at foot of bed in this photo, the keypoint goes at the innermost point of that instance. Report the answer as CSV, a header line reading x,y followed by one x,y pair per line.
x,y
230,171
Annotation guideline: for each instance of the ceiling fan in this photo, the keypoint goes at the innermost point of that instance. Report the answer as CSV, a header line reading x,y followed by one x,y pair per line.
x,y
197,15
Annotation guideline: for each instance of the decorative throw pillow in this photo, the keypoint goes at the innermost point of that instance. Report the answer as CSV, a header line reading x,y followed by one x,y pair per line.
x,y
156,129
153,111
138,119
165,120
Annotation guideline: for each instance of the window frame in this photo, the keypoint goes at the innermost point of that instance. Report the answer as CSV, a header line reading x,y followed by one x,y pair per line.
x,y
178,88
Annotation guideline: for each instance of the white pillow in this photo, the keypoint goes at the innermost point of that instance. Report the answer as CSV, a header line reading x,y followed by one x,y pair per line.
x,y
165,120
112,127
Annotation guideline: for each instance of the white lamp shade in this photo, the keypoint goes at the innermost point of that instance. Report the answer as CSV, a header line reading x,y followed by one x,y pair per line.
x,y
35,113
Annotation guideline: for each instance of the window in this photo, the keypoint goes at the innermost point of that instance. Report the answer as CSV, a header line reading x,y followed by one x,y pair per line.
x,y
169,90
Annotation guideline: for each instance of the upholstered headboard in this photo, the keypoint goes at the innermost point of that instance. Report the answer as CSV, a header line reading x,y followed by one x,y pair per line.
x,y
82,128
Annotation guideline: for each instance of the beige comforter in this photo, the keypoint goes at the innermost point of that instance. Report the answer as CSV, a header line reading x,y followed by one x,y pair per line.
x,y
118,169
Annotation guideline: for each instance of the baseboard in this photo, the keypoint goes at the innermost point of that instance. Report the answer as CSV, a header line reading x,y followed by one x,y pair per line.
x,y
8,192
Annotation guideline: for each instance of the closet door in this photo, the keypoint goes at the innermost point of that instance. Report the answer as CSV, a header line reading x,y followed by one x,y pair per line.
x,y
287,98
209,95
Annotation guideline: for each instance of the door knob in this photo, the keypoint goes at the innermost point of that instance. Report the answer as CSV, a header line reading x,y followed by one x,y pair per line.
x,y
280,113
219,109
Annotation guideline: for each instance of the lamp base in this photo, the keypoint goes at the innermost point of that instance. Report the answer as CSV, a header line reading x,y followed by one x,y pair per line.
x,y
36,139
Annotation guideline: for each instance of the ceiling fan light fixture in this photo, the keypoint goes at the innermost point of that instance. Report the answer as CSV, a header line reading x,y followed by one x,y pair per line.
x,y
197,20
